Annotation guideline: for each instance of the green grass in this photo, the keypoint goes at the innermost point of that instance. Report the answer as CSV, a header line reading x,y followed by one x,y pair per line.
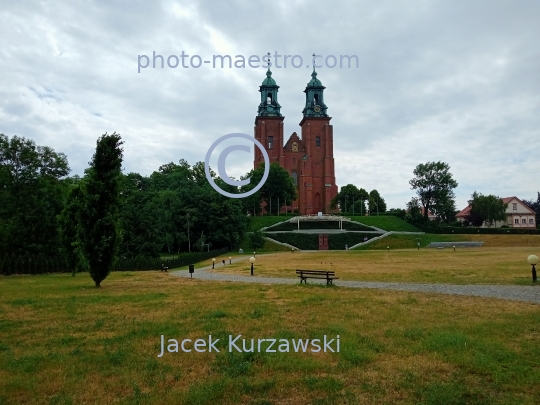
x,y
396,241
262,222
386,222
62,341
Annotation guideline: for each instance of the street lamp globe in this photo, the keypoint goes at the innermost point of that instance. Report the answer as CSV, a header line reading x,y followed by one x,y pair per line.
x,y
252,261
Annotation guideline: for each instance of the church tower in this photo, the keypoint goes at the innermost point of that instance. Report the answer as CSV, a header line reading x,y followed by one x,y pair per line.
x,y
317,182
309,159
269,123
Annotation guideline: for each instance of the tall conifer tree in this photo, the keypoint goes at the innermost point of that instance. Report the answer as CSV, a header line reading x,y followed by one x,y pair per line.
x,y
100,233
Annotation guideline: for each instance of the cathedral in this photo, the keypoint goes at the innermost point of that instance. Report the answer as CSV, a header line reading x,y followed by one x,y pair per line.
x,y
309,159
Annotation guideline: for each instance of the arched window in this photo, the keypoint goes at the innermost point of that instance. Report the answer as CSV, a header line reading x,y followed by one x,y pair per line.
x,y
294,176
269,98
316,99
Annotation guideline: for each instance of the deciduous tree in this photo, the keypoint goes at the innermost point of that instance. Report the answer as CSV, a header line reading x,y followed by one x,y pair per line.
x,y
434,185
486,208
32,193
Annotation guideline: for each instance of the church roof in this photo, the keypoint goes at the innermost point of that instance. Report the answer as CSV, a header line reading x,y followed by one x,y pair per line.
x,y
269,81
314,82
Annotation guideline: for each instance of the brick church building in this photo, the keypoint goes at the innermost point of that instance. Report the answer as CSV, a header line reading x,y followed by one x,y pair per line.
x,y
309,159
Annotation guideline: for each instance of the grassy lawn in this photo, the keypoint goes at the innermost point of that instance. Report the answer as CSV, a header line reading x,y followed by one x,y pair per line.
x,y
410,241
386,222
262,222
63,341
484,265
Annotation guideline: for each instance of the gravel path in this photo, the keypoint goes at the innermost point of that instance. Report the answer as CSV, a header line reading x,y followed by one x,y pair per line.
x,y
508,292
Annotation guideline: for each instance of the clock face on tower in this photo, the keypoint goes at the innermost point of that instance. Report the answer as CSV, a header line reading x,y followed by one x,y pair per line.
x,y
317,108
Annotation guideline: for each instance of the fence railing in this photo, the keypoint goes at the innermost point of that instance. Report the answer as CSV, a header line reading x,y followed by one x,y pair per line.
x,y
12,264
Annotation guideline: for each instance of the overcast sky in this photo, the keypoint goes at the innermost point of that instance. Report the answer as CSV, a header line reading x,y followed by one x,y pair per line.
x,y
456,81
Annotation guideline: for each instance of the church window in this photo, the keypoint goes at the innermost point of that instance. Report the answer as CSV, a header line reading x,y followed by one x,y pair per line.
x,y
316,99
295,178
317,141
269,98
270,142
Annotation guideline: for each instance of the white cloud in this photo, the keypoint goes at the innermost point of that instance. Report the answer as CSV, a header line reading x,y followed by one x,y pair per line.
x,y
457,82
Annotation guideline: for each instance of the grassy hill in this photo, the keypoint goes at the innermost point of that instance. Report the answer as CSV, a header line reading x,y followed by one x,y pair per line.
x,y
262,222
386,222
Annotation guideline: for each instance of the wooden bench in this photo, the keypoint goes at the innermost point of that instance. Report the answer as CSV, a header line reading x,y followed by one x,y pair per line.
x,y
329,276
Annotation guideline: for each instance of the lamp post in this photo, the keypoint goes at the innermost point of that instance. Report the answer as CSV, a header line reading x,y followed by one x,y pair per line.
x,y
454,248
230,260
213,262
533,260
388,248
252,261
254,254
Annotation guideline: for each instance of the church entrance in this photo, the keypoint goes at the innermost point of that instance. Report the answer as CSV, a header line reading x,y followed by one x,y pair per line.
x,y
323,242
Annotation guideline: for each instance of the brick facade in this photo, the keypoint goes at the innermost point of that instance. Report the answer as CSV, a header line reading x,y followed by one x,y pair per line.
x,y
309,159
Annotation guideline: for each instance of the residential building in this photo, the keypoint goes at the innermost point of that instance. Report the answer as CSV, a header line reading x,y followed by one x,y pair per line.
x,y
518,215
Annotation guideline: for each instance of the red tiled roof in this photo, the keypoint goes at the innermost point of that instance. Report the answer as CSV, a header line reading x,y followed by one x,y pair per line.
x,y
463,212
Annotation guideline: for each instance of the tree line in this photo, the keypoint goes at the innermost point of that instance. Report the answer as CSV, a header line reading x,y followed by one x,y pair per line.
x,y
106,214
357,201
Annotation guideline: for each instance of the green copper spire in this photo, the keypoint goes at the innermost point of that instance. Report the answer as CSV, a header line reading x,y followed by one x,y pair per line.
x,y
314,82
269,81
315,106
269,106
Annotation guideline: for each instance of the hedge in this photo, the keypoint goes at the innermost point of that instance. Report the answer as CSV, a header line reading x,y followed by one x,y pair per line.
x,y
338,241
310,241
303,241
471,230
11,264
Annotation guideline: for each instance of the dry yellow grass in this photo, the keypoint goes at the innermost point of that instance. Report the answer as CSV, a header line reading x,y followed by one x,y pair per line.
x,y
64,342
484,265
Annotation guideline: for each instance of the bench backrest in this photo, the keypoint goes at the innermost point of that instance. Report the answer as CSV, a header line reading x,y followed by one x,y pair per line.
x,y
316,272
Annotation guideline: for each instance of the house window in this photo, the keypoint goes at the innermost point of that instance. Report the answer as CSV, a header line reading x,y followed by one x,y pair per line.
x,y
317,141
514,206
523,221
516,221
531,221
